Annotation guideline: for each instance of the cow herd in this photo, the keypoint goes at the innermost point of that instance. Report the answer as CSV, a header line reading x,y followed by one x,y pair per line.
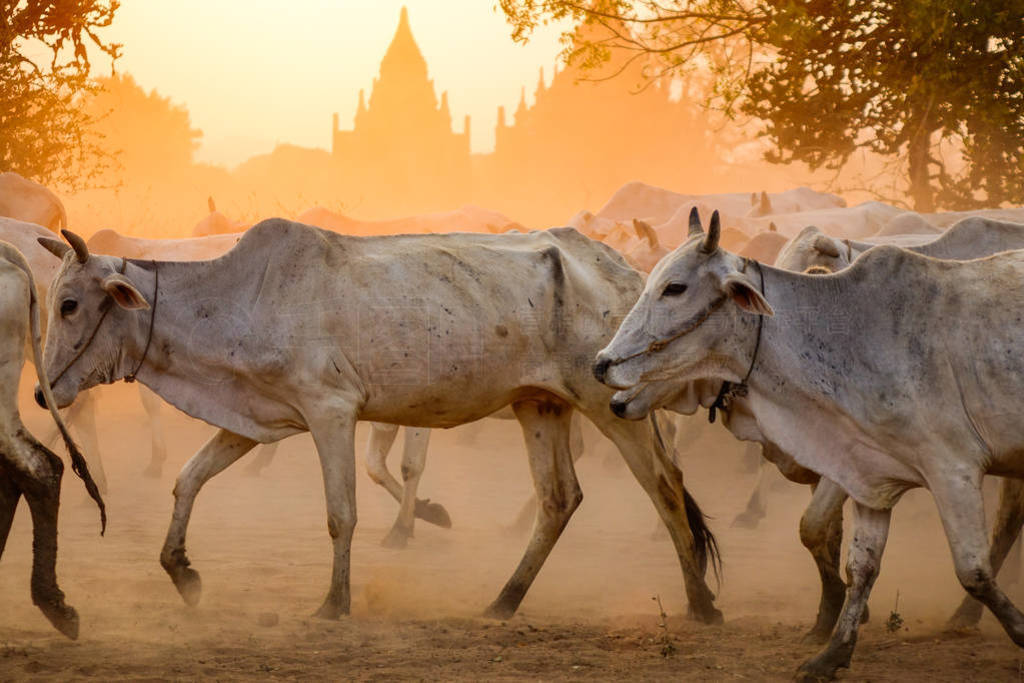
x,y
867,350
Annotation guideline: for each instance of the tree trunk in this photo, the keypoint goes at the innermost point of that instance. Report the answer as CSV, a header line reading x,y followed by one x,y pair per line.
x,y
921,191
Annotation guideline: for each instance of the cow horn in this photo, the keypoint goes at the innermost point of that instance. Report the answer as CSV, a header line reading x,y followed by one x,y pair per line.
x,y
766,203
55,247
710,243
78,244
695,227
823,245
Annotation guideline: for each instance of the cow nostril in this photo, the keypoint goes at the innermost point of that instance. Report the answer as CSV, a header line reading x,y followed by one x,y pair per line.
x,y
40,399
601,369
619,408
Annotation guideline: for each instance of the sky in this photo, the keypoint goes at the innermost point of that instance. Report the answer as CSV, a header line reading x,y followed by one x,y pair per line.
x,y
256,73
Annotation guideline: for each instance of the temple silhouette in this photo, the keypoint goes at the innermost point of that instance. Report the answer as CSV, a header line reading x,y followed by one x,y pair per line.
x,y
570,149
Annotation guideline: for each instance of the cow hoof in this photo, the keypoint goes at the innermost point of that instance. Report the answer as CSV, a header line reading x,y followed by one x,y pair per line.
x,y
711,616
330,611
747,520
189,585
63,618
966,616
397,538
433,513
815,672
499,611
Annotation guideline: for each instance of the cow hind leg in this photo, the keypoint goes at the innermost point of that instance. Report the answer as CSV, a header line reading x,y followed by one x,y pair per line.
x,y
962,512
871,530
1005,532
158,449
10,494
663,482
218,453
546,428
42,494
414,458
821,532
264,456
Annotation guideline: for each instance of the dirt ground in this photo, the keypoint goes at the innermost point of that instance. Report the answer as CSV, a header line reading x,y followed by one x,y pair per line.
x,y
261,546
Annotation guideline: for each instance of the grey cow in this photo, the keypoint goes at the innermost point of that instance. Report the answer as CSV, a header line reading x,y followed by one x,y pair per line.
x,y
298,329
911,391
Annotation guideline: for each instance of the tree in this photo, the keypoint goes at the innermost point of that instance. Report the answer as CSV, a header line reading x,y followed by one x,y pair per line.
x,y
145,134
934,85
44,70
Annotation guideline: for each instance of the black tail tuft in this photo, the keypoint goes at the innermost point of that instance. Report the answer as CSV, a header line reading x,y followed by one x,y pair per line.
x,y
704,542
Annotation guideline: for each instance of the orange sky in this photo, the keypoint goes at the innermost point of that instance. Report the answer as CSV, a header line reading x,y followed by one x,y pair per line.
x,y
254,73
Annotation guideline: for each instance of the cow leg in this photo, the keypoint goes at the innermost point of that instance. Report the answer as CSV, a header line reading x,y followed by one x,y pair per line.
x,y
10,494
664,485
335,444
821,532
158,452
218,453
414,458
41,487
546,428
382,436
755,510
264,456
963,517
529,509
1005,532
870,532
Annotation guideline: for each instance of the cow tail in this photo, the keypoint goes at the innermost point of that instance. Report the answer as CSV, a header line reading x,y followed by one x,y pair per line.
x,y
78,463
705,545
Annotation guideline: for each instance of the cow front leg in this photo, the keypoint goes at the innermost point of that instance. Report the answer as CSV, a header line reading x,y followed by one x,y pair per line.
x,y
821,532
414,458
158,448
870,532
663,482
217,454
1005,532
546,428
754,512
42,493
335,445
959,501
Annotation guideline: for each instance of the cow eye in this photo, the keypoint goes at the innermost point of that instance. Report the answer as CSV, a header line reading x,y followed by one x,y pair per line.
x,y
673,289
68,306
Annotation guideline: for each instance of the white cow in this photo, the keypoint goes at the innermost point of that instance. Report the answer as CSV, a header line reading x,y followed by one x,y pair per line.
x,y
27,468
300,329
28,201
915,385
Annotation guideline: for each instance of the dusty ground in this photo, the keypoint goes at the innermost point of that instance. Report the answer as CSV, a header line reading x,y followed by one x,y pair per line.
x,y
262,548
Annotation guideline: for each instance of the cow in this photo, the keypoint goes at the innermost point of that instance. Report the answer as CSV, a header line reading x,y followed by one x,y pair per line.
x,y
911,222
216,223
878,404
28,201
300,329
27,468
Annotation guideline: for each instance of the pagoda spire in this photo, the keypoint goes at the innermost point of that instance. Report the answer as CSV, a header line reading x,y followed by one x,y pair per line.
x,y
521,109
540,83
446,115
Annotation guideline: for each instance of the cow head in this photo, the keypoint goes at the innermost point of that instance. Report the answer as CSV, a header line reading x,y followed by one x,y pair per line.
x,y
92,308
814,249
695,319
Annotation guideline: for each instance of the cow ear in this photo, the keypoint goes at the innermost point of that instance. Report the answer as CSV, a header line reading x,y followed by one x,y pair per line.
x,y
124,293
645,232
55,247
745,295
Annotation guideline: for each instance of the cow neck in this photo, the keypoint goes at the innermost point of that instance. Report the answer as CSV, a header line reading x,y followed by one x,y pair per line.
x,y
730,390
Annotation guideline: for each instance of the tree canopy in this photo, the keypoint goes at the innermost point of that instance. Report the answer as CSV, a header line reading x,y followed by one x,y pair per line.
x,y
935,86
44,70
